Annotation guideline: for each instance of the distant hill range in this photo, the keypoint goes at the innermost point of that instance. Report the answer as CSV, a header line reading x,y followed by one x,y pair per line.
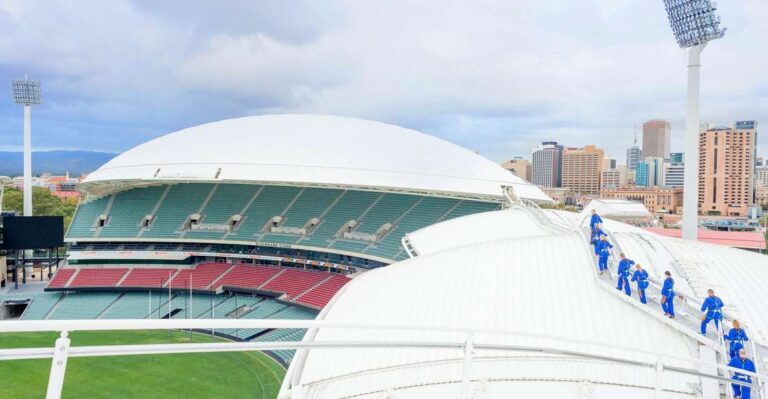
x,y
54,162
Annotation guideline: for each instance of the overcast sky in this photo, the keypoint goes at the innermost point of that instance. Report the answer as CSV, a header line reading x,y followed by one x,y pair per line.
x,y
493,76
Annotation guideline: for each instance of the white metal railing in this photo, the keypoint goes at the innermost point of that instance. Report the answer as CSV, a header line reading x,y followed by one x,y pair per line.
x,y
469,344
696,304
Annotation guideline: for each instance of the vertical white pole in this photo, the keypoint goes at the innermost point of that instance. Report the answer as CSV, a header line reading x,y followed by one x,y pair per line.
x,y
465,373
58,367
27,160
691,168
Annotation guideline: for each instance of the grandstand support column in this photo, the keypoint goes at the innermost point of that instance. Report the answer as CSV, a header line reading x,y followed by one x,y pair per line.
x,y
58,367
468,348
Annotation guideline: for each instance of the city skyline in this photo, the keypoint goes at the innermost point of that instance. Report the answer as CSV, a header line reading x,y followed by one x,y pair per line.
x,y
151,71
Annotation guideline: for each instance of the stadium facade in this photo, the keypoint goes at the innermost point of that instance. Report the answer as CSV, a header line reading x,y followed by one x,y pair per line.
x,y
325,189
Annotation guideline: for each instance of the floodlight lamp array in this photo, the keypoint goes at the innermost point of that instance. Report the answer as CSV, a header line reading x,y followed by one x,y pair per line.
x,y
25,91
693,21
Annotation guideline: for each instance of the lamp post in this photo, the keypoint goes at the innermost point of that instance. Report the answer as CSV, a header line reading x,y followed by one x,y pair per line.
x,y
694,23
26,92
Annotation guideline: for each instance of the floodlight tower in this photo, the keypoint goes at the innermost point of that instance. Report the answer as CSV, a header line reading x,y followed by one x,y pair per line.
x,y
26,92
694,23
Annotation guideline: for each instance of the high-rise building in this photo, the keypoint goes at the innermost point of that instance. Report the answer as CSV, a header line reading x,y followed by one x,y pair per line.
x,y
658,200
634,154
641,174
547,164
657,134
582,168
650,172
761,176
726,169
614,177
760,161
673,174
676,157
609,163
519,167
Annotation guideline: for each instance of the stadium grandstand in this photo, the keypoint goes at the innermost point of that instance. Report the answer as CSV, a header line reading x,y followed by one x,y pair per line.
x,y
264,217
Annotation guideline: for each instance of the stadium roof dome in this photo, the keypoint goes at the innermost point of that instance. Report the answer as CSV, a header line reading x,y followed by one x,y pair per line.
x,y
310,150
502,270
529,273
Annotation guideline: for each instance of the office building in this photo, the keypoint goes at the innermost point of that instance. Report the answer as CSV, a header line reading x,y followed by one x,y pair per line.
x,y
519,167
547,164
582,168
650,172
676,157
673,174
726,169
614,177
658,200
657,134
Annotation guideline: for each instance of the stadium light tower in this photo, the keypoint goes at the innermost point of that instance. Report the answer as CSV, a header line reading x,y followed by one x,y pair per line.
x,y
694,23
27,93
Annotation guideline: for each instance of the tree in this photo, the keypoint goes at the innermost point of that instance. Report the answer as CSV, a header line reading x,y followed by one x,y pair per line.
x,y
43,204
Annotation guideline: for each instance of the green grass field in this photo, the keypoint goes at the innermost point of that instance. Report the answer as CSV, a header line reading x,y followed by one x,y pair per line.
x,y
188,376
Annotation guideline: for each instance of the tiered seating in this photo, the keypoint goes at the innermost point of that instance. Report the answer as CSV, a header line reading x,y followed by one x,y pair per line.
x,y
311,203
470,207
283,335
295,281
98,277
247,276
350,206
387,210
320,295
147,277
181,201
61,277
40,306
133,206
262,310
85,217
82,305
132,305
271,201
428,211
370,209
200,277
223,306
228,200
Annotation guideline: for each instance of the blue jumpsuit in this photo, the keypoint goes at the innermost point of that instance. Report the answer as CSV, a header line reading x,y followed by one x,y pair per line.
x,y
624,271
641,276
714,307
596,233
668,292
737,336
747,365
604,253
595,220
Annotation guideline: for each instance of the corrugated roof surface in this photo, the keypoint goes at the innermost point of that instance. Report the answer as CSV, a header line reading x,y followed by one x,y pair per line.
x,y
542,284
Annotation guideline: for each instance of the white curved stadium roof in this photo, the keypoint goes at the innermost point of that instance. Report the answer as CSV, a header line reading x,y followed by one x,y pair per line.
x,y
313,150
503,270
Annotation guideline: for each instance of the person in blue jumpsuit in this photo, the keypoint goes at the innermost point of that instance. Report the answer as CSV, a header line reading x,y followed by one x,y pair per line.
x,y
742,362
595,219
714,308
641,276
668,296
597,232
624,270
604,251
737,336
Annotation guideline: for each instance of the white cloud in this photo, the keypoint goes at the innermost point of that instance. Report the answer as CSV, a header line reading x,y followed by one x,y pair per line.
x,y
493,76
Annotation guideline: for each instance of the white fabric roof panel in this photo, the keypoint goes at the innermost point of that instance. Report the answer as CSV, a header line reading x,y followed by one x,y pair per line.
x,y
312,149
472,229
617,208
540,284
